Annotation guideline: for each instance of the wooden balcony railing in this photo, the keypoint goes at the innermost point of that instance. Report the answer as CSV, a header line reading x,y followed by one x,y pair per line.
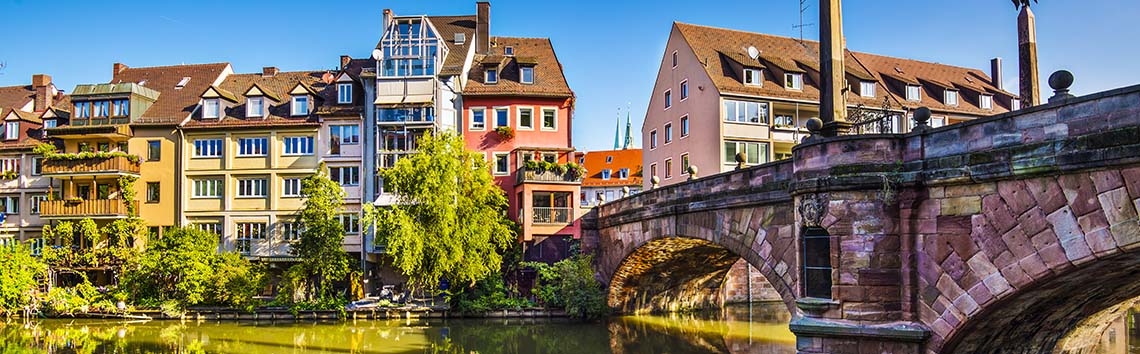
x,y
524,175
98,208
93,165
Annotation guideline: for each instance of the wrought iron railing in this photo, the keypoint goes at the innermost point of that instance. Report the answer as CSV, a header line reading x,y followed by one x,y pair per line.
x,y
882,120
524,175
545,215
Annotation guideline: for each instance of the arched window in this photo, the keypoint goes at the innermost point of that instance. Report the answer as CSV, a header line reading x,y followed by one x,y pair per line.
x,y
817,263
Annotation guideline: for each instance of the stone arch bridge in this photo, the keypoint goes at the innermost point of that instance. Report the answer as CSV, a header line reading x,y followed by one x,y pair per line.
x,y
999,235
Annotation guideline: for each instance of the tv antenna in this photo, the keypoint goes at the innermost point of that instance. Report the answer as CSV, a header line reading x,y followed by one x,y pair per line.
x,y
804,5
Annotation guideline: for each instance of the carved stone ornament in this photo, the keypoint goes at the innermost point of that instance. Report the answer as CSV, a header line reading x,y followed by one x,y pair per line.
x,y
812,209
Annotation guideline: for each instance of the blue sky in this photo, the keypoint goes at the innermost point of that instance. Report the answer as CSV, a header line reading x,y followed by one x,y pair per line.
x,y
610,49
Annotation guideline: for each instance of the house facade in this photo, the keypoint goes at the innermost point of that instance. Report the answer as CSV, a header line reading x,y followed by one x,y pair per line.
x,y
26,110
610,172
751,93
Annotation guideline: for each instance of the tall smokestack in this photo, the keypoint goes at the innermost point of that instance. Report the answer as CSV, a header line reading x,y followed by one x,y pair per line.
x,y
483,27
996,73
41,83
1027,52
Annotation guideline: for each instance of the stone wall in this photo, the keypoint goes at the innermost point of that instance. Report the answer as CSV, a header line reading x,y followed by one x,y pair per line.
x,y
743,279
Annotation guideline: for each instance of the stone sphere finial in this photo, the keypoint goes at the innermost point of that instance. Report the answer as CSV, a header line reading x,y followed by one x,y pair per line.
x,y
1060,81
655,181
740,158
814,125
692,172
921,118
624,191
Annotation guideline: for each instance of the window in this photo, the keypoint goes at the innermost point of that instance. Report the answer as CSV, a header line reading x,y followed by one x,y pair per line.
x,y
549,119
208,188
292,187
214,227
668,168
207,148
49,123
609,159
298,145
817,263
509,50
345,134
36,199
252,187
120,108
248,232
550,157
153,150
300,105
182,83
674,58
291,230
668,99
951,98
345,176
492,76
37,166
668,133
211,108
685,164
526,75
794,81
83,110
344,93
745,112
478,119
986,101
255,107
753,77
501,117
756,153
11,130
652,170
606,174
526,118
11,164
867,88
252,146
10,205
684,126
102,109
153,192
936,122
502,163
623,173
351,223
653,139
913,93
684,89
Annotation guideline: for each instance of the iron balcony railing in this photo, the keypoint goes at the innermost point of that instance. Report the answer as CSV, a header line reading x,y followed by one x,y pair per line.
x,y
388,159
545,215
524,175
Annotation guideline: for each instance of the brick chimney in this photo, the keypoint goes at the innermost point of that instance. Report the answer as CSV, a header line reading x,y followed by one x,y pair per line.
x,y
344,60
269,71
996,73
483,27
41,83
1027,52
119,67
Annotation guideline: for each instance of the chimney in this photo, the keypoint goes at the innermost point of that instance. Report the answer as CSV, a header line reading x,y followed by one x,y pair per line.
x,y
995,73
269,71
41,83
483,27
1027,57
387,21
119,67
344,60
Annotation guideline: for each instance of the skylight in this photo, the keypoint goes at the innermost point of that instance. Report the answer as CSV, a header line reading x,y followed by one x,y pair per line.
x,y
182,83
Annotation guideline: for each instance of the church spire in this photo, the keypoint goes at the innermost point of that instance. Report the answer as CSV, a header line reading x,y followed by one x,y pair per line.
x,y
617,131
628,130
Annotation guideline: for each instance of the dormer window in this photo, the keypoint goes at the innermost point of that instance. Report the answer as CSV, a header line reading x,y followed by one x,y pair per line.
x,y
300,105
623,173
753,77
211,108
913,93
492,76
794,81
951,98
49,123
867,88
526,74
986,102
509,50
606,174
12,130
255,107
344,93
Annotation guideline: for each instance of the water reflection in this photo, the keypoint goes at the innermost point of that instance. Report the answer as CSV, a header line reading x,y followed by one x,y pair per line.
x,y
729,331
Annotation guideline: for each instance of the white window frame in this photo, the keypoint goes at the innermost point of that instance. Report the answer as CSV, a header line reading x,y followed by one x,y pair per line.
x,y
986,102
757,77
350,222
491,76
653,170
674,59
12,130
867,89
344,93
215,148
10,164
253,151
35,200
947,95
304,143
259,112
685,163
495,163
496,117
760,158
207,188
345,139
291,187
471,114
212,108
668,96
794,81
296,108
37,166
684,126
668,133
50,123
652,139
543,118
253,187
669,168
255,231
341,172
606,174
523,74
623,173
518,117
917,90
291,230
684,89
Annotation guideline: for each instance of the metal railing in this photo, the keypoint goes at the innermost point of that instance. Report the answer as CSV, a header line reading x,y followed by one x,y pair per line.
x,y
524,175
544,215
388,159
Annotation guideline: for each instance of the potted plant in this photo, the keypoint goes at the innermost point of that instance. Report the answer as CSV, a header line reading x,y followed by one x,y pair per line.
x,y
505,132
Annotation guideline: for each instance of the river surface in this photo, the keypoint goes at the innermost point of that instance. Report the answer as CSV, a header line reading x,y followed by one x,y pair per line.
x,y
764,329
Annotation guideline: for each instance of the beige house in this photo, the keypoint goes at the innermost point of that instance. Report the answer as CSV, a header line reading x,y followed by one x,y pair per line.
x,y
751,93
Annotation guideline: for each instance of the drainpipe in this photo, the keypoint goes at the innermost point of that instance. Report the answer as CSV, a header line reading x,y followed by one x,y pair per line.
x,y
178,176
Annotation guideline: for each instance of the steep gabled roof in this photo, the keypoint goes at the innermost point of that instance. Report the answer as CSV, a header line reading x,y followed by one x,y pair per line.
x,y
549,80
16,96
595,162
278,112
173,105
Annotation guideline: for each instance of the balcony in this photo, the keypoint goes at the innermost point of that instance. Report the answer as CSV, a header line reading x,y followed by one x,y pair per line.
x,y
101,165
95,209
544,215
524,175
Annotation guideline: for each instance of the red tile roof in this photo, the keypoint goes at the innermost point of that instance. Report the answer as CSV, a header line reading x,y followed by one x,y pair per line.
x,y
279,113
16,97
595,162
549,80
173,105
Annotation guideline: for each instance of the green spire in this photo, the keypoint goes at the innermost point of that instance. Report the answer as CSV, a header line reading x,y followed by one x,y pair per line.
x,y
617,131
628,131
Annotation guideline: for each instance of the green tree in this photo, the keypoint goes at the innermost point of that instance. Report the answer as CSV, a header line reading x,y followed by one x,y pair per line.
x,y
323,260
184,268
450,221
20,277
570,284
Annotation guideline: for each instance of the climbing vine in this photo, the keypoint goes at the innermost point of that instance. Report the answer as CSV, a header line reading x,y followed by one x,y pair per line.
x,y
127,191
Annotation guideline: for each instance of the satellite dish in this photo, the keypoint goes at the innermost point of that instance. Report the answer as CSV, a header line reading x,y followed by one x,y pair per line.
x,y
376,53
753,52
